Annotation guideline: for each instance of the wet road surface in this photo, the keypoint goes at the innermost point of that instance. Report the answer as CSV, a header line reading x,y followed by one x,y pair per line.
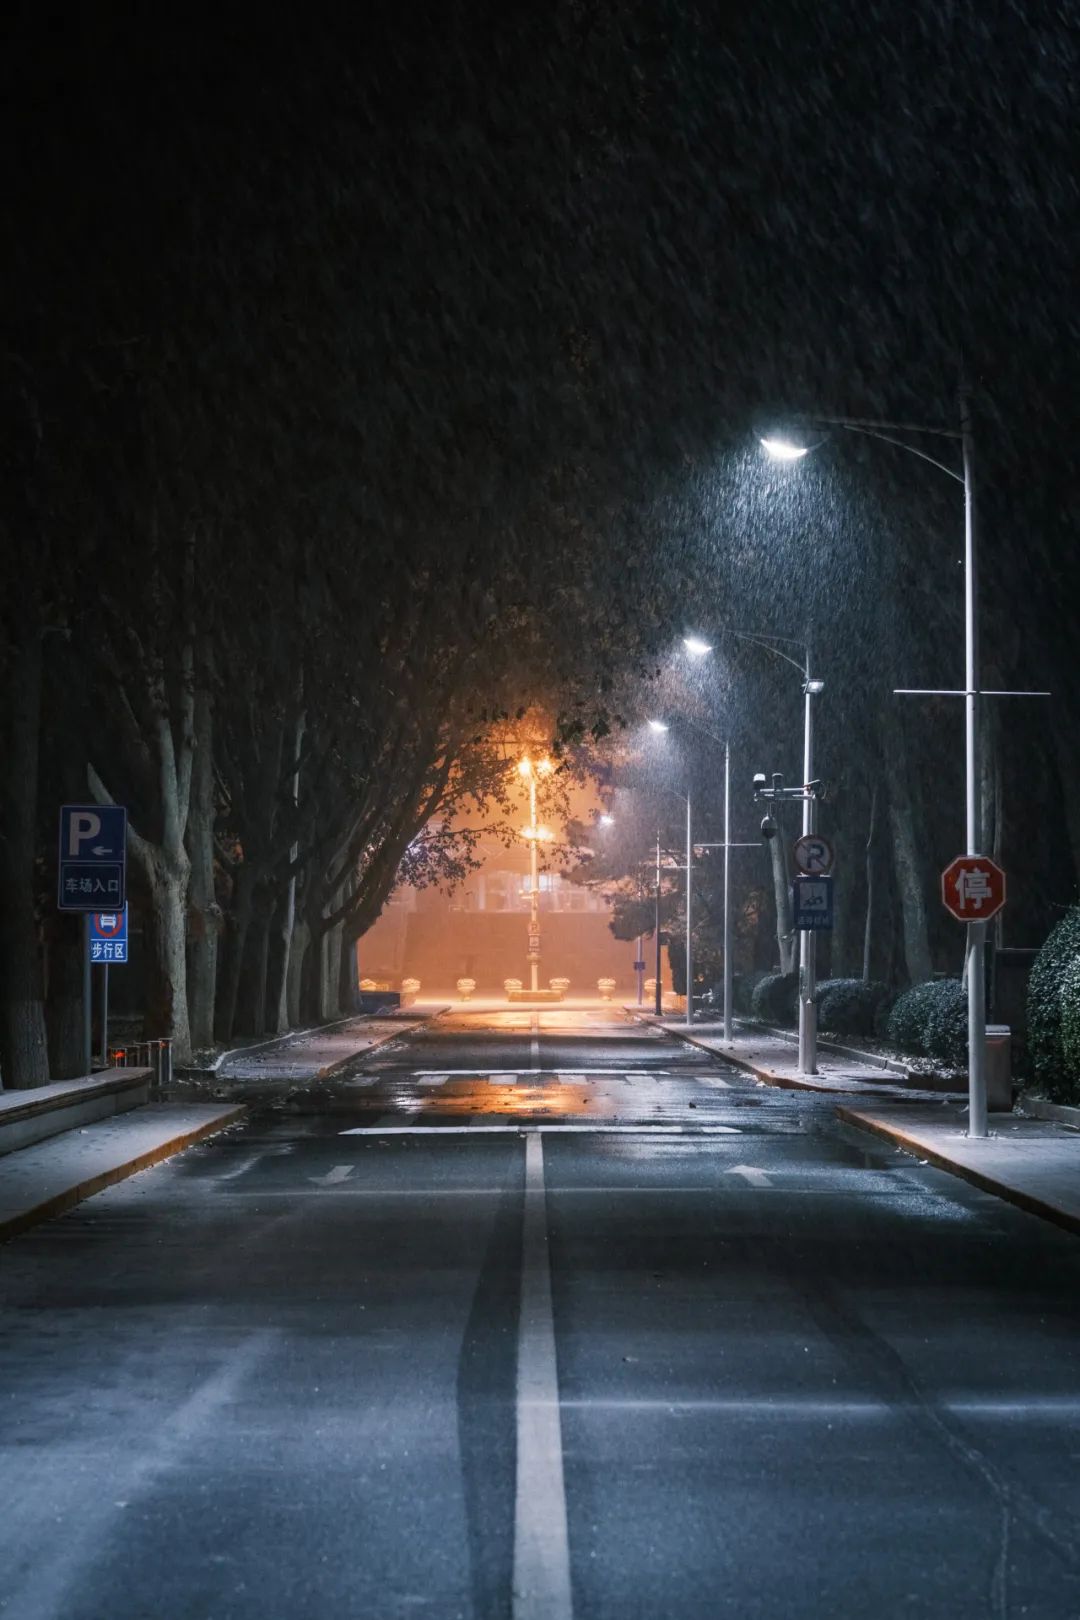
x,y
540,1314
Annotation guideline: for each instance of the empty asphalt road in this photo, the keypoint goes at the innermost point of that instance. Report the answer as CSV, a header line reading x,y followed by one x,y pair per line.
x,y
539,1315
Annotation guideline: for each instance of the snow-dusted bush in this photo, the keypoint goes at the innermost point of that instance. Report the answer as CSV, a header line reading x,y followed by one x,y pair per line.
x,y
852,1006
926,1019
743,986
1053,1011
773,1000
946,1032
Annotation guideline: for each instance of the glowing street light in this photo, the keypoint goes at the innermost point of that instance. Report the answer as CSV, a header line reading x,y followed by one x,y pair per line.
x,y
696,647
534,835
606,820
784,450
658,725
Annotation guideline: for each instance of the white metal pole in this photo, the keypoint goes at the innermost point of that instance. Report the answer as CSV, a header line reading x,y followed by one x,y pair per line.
x,y
689,887
807,938
976,952
87,1008
659,1007
534,890
728,967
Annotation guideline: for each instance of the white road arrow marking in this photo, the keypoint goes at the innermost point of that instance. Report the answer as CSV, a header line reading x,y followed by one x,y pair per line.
x,y
756,1178
334,1177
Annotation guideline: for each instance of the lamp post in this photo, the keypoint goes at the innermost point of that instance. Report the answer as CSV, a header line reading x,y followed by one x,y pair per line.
x,y
534,834
785,450
698,649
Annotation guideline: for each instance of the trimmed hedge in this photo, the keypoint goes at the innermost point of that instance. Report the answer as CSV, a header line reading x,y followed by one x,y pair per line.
x,y
852,1006
773,1000
927,1017
743,986
1053,1011
946,1034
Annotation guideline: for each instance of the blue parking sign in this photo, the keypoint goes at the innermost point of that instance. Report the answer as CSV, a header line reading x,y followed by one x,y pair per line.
x,y
812,899
92,868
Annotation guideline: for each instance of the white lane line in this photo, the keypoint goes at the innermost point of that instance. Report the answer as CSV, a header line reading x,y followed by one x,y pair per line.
x,y
541,1588
557,1074
587,1128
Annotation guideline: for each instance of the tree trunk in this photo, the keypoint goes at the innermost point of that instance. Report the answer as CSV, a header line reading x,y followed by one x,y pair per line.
x,y
868,929
280,1000
348,977
65,1006
252,996
329,1005
166,1002
908,863
236,946
24,1056
204,916
298,954
785,933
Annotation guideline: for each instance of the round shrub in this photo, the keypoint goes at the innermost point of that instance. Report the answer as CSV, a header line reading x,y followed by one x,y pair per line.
x,y
927,1013
1050,990
743,986
1070,1026
773,1000
946,1033
852,1006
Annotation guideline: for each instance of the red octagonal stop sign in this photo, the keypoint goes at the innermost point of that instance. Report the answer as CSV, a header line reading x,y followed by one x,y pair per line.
x,y
973,888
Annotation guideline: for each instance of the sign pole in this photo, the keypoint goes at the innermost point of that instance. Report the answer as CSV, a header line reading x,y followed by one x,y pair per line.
x,y
105,1014
87,1007
976,940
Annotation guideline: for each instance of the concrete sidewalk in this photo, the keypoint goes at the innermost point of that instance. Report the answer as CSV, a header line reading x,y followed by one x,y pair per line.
x,y
773,1060
39,1182
313,1054
1034,1163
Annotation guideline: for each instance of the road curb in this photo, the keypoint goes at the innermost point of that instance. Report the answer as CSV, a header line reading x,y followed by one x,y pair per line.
x,y
12,1225
768,1077
1029,1202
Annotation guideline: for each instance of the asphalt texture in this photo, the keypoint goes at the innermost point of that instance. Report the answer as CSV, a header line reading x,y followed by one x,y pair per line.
x,y
537,1315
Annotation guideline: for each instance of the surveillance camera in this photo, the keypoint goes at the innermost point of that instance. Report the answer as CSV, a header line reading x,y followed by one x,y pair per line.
x,y
759,779
768,827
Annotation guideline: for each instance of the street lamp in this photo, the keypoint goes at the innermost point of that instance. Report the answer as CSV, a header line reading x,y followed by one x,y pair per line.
x,y
535,835
812,687
976,931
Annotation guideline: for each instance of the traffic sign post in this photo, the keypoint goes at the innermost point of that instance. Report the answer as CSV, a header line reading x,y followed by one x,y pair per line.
x,y
92,867
973,888
813,855
91,872
108,936
812,904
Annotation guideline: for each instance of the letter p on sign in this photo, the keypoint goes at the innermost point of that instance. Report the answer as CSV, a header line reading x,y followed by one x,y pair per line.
x,y
83,826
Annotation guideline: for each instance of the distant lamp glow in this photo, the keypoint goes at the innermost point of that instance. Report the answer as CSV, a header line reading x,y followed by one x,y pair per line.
x,y
606,821
784,450
658,725
525,767
695,646
545,767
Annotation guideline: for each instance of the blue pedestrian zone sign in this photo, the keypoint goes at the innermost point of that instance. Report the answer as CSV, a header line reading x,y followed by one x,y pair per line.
x,y
109,936
813,903
93,857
